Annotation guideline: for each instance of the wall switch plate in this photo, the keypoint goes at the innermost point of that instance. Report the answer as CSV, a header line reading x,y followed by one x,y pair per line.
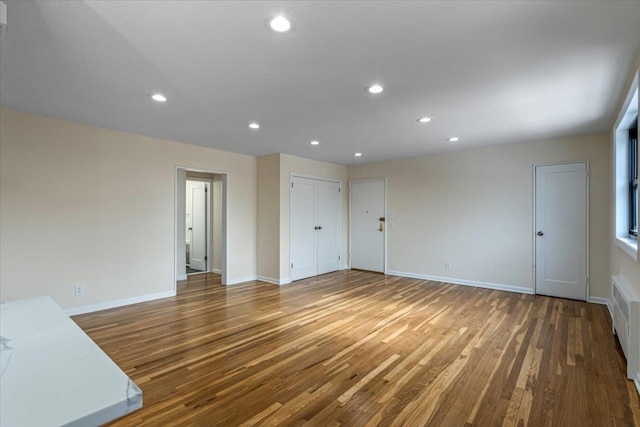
x,y
447,265
78,289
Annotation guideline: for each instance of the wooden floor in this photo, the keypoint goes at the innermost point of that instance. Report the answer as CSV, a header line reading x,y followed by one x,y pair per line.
x,y
359,349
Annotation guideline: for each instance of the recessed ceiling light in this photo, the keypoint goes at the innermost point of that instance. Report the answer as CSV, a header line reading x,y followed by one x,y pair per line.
x,y
159,97
374,89
280,24
315,142
254,125
357,154
424,119
453,139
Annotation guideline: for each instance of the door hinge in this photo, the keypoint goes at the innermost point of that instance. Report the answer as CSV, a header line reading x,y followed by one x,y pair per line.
x,y
292,185
205,189
338,257
205,258
291,265
339,190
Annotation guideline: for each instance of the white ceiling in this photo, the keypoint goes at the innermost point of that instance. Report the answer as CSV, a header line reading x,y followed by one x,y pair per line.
x,y
489,72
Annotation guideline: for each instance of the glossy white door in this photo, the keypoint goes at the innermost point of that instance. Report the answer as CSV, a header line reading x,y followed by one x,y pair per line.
x,y
367,230
328,217
561,230
199,228
303,234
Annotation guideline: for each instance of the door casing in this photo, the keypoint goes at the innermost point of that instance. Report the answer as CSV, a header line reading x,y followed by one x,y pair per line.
x,y
386,226
534,230
339,222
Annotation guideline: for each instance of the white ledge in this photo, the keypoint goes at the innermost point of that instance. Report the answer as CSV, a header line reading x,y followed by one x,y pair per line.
x,y
628,246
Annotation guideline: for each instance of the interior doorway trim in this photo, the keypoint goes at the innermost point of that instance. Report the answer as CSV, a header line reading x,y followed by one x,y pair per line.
x,y
224,261
534,229
386,224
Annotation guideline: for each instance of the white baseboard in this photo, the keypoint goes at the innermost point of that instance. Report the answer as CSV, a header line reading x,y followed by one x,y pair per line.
x,y
473,283
181,277
215,270
345,267
603,301
241,280
274,281
118,303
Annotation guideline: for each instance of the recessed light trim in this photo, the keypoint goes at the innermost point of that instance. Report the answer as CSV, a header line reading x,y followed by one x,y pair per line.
x,y
158,97
357,154
374,89
314,142
254,125
453,139
424,120
280,24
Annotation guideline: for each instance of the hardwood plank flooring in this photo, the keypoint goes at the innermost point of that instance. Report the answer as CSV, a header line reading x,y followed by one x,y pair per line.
x,y
355,348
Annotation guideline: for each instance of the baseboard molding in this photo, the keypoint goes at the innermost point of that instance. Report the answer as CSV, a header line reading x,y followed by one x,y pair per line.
x,y
242,280
274,281
603,301
118,303
473,283
215,270
181,277
345,267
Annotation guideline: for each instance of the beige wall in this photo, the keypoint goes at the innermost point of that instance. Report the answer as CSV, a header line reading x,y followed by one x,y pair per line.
x,y
621,263
80,204
475,209
269,217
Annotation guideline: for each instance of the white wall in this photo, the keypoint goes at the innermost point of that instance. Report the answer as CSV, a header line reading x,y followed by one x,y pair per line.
x,y
475,209
80,204
217,222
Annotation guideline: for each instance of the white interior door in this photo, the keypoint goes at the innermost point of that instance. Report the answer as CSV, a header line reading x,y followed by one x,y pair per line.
x,y
303,233
198,244
561,230
367,229
328,217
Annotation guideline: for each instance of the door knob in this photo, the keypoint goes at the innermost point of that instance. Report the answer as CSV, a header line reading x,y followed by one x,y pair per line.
x,y
540,233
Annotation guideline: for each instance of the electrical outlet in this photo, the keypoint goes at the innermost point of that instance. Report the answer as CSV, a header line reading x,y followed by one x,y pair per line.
x,y
78,289
447,265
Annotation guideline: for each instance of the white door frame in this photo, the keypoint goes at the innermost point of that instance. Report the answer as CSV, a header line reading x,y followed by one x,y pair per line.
x,y
209,232
224,264
534,230
386,219
319,178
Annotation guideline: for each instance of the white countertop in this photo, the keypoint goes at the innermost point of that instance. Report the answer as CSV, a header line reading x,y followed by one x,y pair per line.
x,y
52,373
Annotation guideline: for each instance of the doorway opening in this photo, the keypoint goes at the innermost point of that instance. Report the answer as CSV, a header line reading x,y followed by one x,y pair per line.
x,y
561,230
200,223
367,216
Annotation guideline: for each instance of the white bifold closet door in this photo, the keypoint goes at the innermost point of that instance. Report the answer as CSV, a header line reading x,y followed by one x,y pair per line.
x,y
314,227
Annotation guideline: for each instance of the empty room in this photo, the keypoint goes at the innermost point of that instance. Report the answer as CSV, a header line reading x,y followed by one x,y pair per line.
x,y
319,213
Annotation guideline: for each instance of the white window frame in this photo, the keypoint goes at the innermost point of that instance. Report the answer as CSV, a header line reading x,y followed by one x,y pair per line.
x,y
626,116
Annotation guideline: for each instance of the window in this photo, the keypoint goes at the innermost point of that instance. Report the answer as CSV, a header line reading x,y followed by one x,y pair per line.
x,y
626,169
633,179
